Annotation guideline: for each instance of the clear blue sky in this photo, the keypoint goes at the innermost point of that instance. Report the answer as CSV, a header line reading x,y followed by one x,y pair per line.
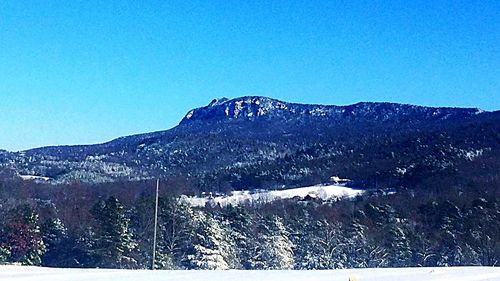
x,y
77,72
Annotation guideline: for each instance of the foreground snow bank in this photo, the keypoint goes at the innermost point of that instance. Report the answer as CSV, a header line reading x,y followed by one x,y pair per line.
x,y
18,273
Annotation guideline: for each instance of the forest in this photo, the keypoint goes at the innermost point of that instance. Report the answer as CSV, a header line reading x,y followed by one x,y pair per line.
x,y
92,226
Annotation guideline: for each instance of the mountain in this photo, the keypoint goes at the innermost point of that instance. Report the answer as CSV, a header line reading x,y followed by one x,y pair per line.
x,y
253,108
258,142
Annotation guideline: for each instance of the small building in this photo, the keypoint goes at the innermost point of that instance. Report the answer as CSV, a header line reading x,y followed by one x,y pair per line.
x,y
337,179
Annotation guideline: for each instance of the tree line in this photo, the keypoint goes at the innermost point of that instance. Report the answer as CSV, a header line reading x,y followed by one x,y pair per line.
x,y
409,228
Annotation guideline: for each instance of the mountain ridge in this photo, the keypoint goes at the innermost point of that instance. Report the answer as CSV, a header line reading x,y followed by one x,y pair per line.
x,y
259,142
258,106
220,101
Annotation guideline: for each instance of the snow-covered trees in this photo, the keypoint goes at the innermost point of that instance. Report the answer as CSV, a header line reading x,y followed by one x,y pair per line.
x,y
240,222
318,244
281,235
357,251
212,244
113,240
482,221
4,254
451,252
373,235
272,247
175,229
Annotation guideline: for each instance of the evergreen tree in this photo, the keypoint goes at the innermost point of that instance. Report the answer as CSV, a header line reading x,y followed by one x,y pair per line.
x,y
81,250
363,248
397,241
173,234
240,223
425,241
175,229
356,246
331,246
113,241
54,235
398,246
4,255
482,235
450,251
319,245
272,247
212,244
423,249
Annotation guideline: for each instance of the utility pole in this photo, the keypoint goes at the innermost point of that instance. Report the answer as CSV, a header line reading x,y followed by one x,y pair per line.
x,y
156,225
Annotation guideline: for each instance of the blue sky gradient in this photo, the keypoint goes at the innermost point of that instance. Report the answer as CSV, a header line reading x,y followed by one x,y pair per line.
x,y
79,72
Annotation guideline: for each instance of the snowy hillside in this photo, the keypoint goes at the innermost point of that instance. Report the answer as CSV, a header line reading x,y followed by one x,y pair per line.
x,y
324,192
17,273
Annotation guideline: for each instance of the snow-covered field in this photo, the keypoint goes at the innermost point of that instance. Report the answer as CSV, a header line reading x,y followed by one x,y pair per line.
x,y
18,273
324,192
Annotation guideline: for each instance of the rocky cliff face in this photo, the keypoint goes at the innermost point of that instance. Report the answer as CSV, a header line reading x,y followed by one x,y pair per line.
x,y
254,107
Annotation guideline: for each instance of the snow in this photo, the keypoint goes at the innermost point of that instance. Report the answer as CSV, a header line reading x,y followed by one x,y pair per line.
x,y
19,273
189,114
324,192
30,177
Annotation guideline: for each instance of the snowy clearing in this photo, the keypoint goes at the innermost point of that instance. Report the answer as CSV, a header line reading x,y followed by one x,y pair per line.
x,y
324,192
19,273
33,178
